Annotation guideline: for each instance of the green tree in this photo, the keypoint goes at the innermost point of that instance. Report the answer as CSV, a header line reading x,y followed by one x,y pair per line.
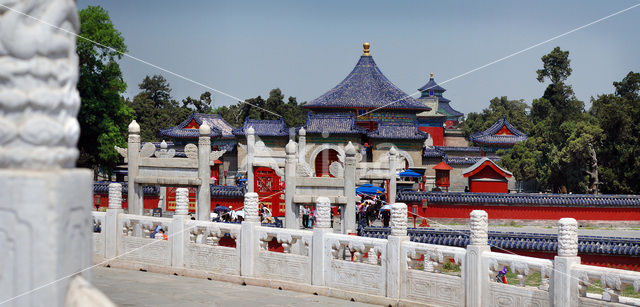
x,y
154,108
104,115
202,105
514,110
292,112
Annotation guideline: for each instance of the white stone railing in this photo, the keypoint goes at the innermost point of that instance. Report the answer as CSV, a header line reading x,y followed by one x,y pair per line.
x,y
381,271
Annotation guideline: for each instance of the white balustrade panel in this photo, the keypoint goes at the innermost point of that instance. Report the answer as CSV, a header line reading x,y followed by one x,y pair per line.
x,y
203,250
423,279
142,248
293,264
349,270
519,295
611,282
99,237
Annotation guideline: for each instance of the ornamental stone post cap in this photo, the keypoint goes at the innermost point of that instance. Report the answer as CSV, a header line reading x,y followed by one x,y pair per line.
x,y
393,151
302,132
350,149
250,130
291,147
251,203
115,195
398,219
182,201
134,128
205,130
479,226
163,145
567,237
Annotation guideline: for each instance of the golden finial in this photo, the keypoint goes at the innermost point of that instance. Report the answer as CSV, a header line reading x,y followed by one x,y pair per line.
x,y
366,48
431,75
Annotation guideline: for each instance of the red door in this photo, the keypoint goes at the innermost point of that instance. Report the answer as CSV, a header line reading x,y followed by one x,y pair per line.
x,y
269,189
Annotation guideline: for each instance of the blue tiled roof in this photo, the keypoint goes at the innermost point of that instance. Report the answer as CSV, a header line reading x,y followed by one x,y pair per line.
x,y
219,127
339,123
489,136
458,149
445,108
230,191
617,246
432,85
467,160
397,130
584,200
263,127
102,187
366,87
432,152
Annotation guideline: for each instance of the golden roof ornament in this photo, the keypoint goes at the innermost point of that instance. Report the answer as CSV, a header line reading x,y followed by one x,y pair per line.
x,y
366,49
431,75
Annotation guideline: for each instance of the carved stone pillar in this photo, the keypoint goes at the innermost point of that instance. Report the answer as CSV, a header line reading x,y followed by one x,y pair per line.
x,y
248,235
45,208
302,145
251,144
394,247
476,279
251,208
565,287
393,157
318,253
111,234
349,219
135,191
291,211
178,235
182,201
203,204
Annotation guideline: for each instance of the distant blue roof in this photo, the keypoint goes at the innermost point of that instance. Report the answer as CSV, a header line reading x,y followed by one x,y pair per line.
x,y
339,123
366,87
432,85
445,108
585,200
397,130
263,127
432,152
219,127
489,137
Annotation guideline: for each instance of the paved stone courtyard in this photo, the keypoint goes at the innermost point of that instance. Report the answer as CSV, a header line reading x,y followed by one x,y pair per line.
x,y
135,288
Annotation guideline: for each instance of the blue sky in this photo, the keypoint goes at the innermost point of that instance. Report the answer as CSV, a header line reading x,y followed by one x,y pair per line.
x,y
246,48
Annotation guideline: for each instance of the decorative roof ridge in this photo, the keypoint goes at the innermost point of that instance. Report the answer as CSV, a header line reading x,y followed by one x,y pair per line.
x,y
350,116
249,122
215,131
491,131
432,85
418,134
471,168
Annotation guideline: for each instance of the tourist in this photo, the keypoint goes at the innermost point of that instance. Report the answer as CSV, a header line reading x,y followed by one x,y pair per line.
x,y
386,216
305,217
162,235
152,235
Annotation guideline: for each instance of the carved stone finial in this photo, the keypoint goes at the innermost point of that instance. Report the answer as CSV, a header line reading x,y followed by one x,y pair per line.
x,y
393,151
251,131
398,219
291,147
182,201
567,237
323,212
134,128
115,196
479,225
251,202
205,130
350,149
302,132
163,145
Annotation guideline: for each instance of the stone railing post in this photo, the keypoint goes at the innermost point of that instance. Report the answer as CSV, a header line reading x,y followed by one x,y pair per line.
x,y
45,207
565,288
350,179
112,234
394,246
291,212
321,228
251,143
476,278
248,234
302,145
203,204
178,236
393,157
134,192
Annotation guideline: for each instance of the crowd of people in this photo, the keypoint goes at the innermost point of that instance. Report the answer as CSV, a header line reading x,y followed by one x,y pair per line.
x,y
371,208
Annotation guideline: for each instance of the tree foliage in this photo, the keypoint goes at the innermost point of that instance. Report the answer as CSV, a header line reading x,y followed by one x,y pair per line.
x,y
292,112
103,115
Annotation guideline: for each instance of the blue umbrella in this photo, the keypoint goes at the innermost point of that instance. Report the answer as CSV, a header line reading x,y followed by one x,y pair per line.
x,y
242,180
220,209
369,189
410,173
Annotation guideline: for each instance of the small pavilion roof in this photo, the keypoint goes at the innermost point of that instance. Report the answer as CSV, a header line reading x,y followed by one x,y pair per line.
x,y
397,130
443,166
340,123
481,164
366,87
263,127
432,85
501,133
188,129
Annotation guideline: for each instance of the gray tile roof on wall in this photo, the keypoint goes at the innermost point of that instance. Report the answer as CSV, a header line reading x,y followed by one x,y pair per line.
x,y
263,127
366,87
102,187
489,136
339,123
529,199
397,130
617,246
219,127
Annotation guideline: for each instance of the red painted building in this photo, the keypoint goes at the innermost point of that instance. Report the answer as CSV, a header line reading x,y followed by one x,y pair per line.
x,y
487,177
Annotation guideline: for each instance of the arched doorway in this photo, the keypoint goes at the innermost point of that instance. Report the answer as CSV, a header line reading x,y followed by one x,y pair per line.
x,y
323,160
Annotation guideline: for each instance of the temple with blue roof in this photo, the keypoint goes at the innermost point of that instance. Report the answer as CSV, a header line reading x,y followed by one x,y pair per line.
x,y
501,135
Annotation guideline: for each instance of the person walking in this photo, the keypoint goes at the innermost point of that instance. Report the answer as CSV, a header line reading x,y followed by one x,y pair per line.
x,y
305,216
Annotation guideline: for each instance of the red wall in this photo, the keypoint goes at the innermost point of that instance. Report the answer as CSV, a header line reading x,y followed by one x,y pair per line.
x,y
489,186
436,133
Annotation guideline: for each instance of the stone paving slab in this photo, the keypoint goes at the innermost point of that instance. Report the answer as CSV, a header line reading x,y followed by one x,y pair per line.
x,y
135,288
